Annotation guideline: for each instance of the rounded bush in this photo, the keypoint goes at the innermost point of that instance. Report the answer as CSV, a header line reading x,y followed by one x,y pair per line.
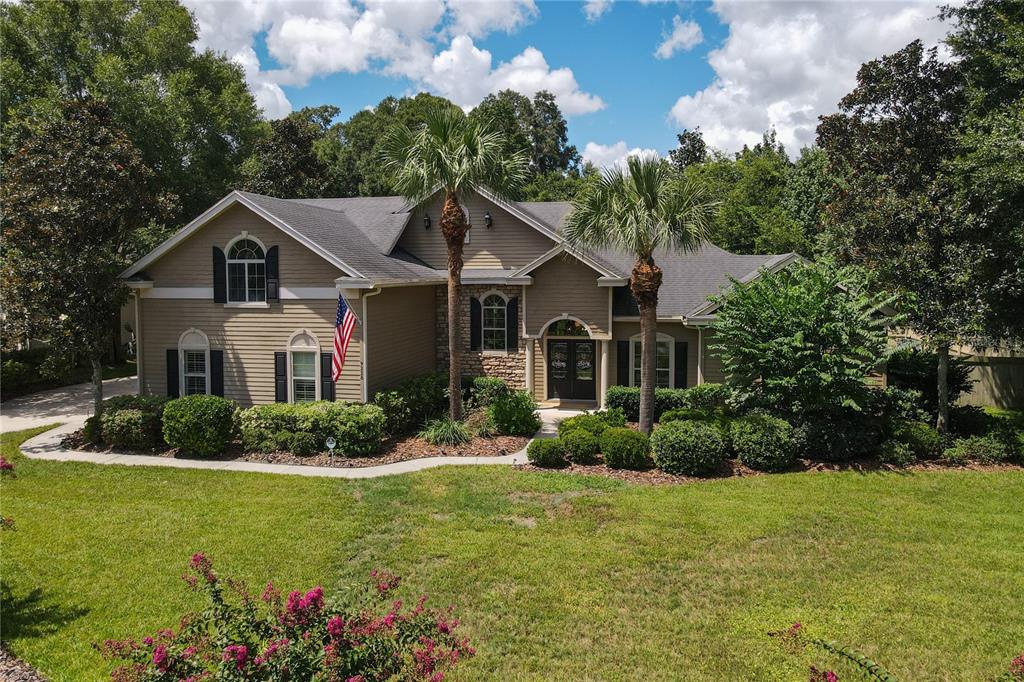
x,y
688,448
591,423
896,453
613,417
514,414
837,438
686,414
199,424
258,440
92,431
985,449
581,446
16,373
546,452
130,428
625,448
397,415
707,397
304,444
486,390
924,441
283,441
762,442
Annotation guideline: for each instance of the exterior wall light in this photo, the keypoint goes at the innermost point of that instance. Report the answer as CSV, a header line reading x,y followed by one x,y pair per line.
x,y
487,219
426,221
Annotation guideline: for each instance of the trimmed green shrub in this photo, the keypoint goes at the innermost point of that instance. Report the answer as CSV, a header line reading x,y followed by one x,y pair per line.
x,y
283,441
199,424
479,422
707,397
515,414
397,415
546,452
258,440
688,447
91,431
923,439
486,390
130,428
984,449
763,442
624,398
969,420
357,428
14,374
625,448
591,423
896,452
837,437
305,444
613,417
146,403
445,432
581,446
687,414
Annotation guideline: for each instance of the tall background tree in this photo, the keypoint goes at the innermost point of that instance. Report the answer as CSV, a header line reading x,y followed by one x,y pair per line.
x,y
457,157
74,196
290,162
648,208
189,113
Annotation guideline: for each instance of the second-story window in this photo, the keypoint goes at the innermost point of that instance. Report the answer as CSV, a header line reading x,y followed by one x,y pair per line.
x,y
247,272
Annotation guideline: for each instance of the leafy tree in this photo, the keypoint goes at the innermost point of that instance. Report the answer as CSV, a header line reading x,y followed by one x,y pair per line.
x,y
809,190
190,114
802,340
536,126
648,208
458,157
73,199
692,149
558,186
914,369
898,211
287,164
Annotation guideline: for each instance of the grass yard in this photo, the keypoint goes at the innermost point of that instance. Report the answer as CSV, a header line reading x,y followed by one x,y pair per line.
x,y
553,576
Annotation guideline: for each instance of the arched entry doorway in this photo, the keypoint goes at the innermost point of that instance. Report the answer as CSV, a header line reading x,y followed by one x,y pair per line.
x,y
571,357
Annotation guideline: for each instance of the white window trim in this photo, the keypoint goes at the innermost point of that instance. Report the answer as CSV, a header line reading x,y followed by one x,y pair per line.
x,y
483,297
182,347
635,341
292,348
227,274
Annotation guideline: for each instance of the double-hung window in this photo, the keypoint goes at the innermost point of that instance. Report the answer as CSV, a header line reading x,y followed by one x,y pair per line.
x,y
662,362
303,377
247,272
195,371
494,323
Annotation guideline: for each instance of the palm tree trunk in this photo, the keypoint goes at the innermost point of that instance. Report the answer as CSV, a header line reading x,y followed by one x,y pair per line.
x,y
644,284
942,423
453,227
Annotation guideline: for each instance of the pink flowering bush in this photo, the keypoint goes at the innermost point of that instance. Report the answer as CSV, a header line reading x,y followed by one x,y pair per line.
x,y
365,637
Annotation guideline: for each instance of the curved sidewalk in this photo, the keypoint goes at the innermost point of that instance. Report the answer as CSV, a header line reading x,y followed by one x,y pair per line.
x,y
48,446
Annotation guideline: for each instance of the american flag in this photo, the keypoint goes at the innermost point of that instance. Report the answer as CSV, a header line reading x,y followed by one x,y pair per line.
x,y
343,326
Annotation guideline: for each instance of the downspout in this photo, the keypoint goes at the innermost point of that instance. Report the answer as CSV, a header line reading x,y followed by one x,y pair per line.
x,y
138,341
366,355
700,355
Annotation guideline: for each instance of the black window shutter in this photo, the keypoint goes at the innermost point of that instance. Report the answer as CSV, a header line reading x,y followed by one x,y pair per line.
x,y
512,324
273,279
681,350
622,363
172,372
280,377
326,370
220,276
476,324
217,372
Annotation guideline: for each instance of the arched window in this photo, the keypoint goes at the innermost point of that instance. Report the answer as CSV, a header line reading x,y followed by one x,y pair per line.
x,y
194,360
303,351
494,322
247,271
664,363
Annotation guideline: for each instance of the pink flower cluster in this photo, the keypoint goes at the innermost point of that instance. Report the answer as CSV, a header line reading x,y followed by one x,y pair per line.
x,y
303,608
822,675
239,653
5,466
385,581
1017,667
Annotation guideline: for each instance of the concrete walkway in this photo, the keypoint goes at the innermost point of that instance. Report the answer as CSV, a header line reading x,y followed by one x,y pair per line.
x,y
47,445
58,404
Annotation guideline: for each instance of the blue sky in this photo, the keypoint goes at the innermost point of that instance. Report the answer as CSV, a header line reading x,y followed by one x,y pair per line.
x,y
737,68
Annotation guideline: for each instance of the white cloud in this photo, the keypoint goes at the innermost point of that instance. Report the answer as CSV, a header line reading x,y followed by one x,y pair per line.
x,y
785,63
319,37
613,155
477,18
685,35
593,9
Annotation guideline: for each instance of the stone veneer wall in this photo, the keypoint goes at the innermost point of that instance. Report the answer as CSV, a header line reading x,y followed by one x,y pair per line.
x,y
510,366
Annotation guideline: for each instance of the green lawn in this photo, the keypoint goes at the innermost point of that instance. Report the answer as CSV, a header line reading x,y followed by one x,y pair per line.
x,y
554,576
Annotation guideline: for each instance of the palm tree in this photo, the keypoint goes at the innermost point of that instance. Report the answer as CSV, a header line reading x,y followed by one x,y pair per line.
x,y
450,154
646,208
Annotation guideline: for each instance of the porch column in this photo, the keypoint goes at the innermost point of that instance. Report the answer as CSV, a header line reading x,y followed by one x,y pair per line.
x,y
700,355
529,366
603,385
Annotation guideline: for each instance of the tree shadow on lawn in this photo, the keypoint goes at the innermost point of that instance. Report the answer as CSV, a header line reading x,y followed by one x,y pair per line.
x,y
31,616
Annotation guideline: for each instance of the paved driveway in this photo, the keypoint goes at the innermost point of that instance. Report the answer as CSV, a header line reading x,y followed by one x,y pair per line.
x,y
58,404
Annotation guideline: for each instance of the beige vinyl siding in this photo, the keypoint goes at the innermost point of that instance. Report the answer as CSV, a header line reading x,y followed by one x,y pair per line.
x,y
540,389
190,263
712,363
508,243
248,337
400,329
624,331
565,286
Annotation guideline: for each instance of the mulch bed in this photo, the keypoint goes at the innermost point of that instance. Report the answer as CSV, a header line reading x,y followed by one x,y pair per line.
x,y
13,669
393,450
733,469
